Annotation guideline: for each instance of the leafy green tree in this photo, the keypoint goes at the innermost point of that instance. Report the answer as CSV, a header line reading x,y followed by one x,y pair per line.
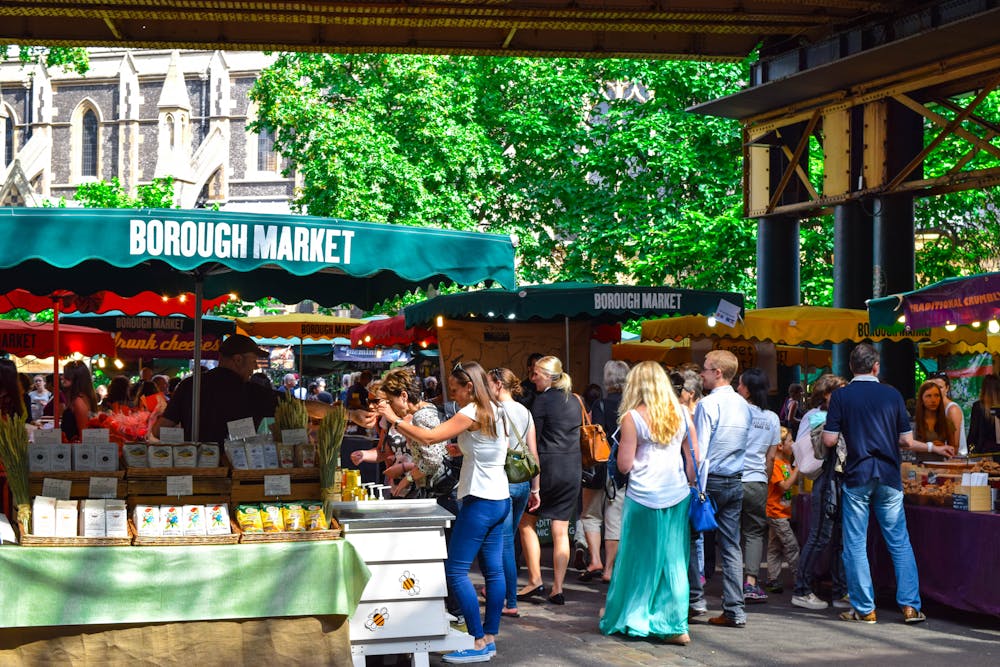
x,y
593,164
110,194
73,59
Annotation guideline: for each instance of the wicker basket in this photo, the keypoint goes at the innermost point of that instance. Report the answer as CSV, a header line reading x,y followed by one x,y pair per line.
x,y
300,536
29,540
184,540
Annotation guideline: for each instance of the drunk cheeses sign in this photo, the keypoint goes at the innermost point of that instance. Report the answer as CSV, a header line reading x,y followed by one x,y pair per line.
x,y
222,240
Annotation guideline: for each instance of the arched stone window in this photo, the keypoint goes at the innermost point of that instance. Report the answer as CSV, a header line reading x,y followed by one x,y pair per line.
x,y
267,159
8,134
89,144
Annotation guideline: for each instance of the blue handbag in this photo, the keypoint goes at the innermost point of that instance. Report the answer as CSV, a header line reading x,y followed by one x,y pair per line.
x,y
701,510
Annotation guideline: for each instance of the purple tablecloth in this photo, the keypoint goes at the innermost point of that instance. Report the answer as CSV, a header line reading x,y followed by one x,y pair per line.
x,y
956,553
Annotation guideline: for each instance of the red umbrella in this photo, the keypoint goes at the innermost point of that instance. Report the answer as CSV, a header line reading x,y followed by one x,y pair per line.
x,y
390,331
38,338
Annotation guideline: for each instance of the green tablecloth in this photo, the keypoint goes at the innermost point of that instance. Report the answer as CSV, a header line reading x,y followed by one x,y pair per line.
x,y
87,585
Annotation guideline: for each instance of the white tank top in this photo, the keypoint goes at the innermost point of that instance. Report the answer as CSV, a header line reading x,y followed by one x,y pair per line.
x,y
657,479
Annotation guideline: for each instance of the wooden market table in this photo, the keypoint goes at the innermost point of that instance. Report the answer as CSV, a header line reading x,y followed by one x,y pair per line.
x,y
101,604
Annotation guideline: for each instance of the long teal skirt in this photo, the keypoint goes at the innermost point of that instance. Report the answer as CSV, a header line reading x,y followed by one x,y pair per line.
x,y
648,595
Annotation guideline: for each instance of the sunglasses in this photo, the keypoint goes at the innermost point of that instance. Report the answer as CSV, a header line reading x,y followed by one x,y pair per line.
x,y
458,369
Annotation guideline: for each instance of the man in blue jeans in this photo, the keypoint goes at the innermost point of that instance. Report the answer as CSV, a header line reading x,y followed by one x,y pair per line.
x,y
873,419
722,421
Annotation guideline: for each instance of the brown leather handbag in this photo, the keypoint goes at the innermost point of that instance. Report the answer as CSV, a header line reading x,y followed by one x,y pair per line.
x,y
594,447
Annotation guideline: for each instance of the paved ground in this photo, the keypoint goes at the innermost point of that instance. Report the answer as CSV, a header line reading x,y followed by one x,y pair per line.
x,y
776,634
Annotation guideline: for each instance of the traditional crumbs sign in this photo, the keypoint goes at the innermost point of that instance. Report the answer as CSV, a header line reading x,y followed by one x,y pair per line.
x,y
222,240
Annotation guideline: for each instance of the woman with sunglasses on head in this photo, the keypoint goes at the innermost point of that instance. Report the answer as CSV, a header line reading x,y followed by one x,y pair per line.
x,y
507,388
558,418
485,500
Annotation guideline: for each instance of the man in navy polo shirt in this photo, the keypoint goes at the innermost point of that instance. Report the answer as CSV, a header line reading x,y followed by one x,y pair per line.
x,y
872,418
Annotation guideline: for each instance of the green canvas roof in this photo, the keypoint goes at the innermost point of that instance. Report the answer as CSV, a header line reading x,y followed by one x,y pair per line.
x,y
287,257
607,303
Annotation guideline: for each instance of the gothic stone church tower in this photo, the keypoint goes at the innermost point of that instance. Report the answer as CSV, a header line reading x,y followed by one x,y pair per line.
x,y
137,115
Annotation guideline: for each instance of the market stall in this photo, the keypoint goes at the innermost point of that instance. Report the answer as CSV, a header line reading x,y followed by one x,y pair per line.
x,y
214,253
574,321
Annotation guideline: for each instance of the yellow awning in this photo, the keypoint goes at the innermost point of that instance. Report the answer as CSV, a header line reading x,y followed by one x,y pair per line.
x,y
298,325
797,325
674,353
942,348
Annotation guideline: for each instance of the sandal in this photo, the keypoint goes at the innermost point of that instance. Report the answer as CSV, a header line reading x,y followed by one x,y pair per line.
x,y
678,640
590,575
510,613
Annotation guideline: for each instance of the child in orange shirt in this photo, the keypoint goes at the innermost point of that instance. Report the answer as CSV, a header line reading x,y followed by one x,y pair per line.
x,y
781,541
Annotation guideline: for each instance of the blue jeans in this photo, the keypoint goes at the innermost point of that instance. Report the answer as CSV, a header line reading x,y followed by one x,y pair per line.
x,y
518,502
824,532
478,529
727,493
887,504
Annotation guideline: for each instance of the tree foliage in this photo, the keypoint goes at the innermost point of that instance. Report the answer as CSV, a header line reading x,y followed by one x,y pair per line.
x,y
110,194
594,164
71,59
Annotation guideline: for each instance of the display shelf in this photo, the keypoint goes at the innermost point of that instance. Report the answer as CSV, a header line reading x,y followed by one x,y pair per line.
x,y
79,481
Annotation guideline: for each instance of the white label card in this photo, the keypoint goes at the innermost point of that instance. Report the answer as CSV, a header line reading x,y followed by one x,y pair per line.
x,y
240,429
95,435
56,488
103,487
180,485
277,485
45,436
727,313
293,436
171,434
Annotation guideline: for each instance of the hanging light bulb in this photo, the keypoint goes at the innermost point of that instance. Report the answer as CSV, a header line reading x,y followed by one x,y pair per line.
x,y
440,321
976,325
993,326
902,319
118,364
101,362
950,327
711,321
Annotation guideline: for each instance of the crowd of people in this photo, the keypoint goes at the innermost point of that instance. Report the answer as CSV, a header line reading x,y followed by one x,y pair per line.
x,y
669,429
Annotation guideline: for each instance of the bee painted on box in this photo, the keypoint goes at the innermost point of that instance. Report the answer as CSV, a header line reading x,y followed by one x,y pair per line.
x,y
410,585
377,619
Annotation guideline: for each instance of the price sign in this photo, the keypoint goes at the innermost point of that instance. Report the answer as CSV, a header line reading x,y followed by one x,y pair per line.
x,y
293,436
180,485
103,487
56,488
171,434
240,429
47,436
95,435
727,313
277,485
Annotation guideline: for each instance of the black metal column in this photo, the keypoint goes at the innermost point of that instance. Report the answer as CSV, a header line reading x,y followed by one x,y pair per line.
x,y
894,265
852,269
777,262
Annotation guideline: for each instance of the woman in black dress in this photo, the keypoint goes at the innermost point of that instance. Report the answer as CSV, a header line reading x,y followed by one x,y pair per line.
x,y
558,418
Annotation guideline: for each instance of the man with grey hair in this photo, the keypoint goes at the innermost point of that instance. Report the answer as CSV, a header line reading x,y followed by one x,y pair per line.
x,y
289,386
872,418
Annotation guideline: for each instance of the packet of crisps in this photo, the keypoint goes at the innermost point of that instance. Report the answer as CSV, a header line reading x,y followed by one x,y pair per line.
x,y
249,518
295,517
315,517
272,518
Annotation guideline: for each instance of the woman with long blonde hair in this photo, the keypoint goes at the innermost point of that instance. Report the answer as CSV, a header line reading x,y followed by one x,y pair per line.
x,y
558,416
648,595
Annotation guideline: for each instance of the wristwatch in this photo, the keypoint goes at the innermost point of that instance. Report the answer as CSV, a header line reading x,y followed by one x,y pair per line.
x,y
930,446
397,422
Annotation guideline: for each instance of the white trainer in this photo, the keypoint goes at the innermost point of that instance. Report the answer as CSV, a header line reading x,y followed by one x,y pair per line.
x,y
809,602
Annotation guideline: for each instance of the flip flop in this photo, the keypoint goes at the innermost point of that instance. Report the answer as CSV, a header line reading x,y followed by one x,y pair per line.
x,y
590,575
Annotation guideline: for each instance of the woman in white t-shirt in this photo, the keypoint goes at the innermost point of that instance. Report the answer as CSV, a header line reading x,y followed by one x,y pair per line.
x,y
648,596
485,501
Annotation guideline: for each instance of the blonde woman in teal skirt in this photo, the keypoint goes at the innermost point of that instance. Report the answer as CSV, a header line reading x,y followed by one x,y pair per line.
x,y
648,596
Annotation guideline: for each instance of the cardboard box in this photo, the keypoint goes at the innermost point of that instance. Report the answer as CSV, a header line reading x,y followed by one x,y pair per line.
x,y
83,456
208,456
160,456
39,457
43,517
93,522
171,520
135,455
185,456
147,520
973,499
106,457
116,518
62,458
67,518
194,520
217,519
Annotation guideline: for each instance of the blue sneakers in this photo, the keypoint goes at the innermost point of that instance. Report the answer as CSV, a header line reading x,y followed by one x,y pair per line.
x,y
484,654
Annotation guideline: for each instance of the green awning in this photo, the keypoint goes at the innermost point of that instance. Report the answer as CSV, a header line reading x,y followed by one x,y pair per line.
x,y
606,303
287,257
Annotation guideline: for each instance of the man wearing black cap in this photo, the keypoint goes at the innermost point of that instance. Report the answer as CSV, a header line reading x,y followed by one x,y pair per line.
x,y
226,394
